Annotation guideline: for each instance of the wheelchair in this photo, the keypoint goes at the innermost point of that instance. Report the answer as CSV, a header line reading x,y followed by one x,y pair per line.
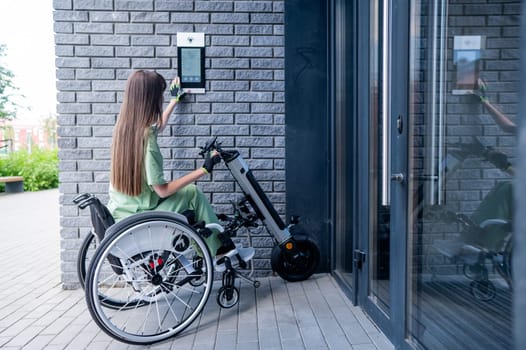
x,y
485,242
149,276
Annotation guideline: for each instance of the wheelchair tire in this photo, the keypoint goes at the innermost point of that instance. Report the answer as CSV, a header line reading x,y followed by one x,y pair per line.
x,y
299,268
155,290
86,251
227,297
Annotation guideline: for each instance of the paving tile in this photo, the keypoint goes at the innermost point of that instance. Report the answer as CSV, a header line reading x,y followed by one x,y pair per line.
x,y
39,342
25,336
269,338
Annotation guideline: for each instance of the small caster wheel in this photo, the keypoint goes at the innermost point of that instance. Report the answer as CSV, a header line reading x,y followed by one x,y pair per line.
x,y
483,290
257,284
227,297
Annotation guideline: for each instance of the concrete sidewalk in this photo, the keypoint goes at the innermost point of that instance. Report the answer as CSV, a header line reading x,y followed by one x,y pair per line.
x,y
36,313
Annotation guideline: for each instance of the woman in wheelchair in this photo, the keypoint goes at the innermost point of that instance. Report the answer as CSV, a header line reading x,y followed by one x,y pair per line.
x,y
137,181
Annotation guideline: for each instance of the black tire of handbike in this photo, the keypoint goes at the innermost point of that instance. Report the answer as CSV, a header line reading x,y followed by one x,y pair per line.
x,y
278,259
111,234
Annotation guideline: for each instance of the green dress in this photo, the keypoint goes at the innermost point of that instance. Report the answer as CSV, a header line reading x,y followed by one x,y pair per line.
x,y
188,198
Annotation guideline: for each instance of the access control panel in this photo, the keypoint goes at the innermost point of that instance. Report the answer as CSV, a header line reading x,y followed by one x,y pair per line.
x,y
191,61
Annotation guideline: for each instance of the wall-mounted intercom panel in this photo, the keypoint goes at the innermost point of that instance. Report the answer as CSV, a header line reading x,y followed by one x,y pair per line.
x,y
467,52
191,61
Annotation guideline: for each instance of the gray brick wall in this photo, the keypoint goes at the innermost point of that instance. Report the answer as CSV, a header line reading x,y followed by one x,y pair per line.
x,y
100,42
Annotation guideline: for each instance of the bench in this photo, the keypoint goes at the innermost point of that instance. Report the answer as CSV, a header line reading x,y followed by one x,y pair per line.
x,y
13,184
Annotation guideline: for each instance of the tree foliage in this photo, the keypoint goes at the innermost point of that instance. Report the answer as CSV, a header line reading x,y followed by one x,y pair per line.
x,y
7,106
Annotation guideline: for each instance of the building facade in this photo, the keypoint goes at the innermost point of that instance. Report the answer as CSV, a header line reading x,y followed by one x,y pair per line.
x,y
389,127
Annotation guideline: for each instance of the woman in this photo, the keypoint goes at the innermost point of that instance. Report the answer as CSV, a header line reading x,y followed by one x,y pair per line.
x,y
136,182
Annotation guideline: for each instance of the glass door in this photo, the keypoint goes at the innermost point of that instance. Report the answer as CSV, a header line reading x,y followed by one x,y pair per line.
x,y
463,105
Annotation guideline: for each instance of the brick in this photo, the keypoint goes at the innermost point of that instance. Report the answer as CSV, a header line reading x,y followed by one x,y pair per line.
x,y
110,62
135,51
151,63
234,130
70,16
219,51
92,5
267,63
96,28
73,62
95,97
113,17
267,18
73,108
243,29
133,28
153,17
64,51
229,85
231,40
253,52
214,6
253,6
190,17
134,5
229,18
62,4
113,40
170,5
230,108
154,40
95,74
215,29
94,51
253,96
70,85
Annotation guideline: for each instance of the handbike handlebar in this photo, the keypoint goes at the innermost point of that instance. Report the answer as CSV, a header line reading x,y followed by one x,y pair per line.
x,y
210,145
214,145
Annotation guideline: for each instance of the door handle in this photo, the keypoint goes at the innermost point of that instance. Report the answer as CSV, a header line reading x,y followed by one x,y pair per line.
x,y
385,108
399,177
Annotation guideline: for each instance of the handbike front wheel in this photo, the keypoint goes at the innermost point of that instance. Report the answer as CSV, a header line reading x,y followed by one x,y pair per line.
x,y
298,263
147,263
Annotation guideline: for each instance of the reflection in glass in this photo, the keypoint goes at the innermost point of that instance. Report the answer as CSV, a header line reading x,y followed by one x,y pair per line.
x,y
461,207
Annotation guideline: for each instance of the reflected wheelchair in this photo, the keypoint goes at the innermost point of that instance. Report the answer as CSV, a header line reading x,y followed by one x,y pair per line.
x,y
149,276
485,238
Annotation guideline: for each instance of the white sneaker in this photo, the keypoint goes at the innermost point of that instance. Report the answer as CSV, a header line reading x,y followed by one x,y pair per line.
x,y
246,255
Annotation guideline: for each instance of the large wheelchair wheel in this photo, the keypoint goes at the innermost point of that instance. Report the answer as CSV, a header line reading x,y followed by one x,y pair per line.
x,y
158,269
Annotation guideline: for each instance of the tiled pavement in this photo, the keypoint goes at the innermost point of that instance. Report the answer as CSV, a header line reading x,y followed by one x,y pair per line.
x,y
36,313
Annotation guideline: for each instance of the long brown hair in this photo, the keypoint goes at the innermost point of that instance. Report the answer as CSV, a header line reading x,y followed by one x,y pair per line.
x,y
141,107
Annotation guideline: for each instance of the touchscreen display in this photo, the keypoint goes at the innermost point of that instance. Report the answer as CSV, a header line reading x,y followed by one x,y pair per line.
x,y
190,65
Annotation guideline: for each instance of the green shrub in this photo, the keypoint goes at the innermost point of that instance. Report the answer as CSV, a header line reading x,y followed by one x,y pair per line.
x,y
39,168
